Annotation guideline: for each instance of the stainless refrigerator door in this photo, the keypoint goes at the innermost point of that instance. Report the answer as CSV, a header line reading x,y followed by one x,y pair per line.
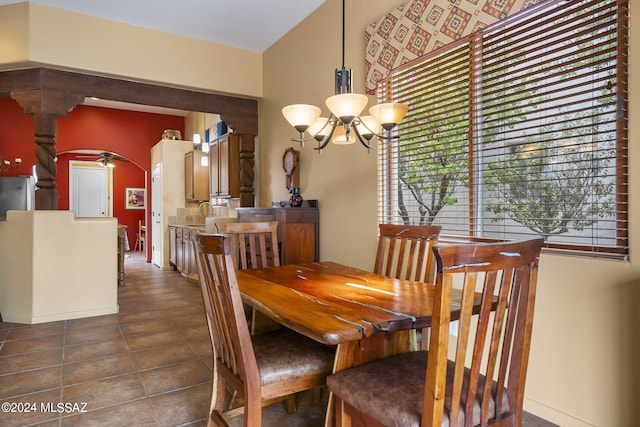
x,y
16,193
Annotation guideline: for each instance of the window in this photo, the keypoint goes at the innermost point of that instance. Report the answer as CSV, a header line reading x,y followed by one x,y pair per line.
x,y
519,130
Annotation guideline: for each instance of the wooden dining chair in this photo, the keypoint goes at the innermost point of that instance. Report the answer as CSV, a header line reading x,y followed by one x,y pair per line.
x,y
405,252
254,245
141,236
264,368
494,309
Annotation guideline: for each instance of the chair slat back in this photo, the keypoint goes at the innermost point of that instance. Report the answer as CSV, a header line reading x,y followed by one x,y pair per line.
x,y
404,251
493,341
256,243
225,314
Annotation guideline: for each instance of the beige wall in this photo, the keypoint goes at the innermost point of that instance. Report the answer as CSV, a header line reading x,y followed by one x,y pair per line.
x,y
14,47
54,266
583,359
56,37
300,69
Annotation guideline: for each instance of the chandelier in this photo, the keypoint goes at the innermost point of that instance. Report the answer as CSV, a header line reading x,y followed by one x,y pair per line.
x,y
344,124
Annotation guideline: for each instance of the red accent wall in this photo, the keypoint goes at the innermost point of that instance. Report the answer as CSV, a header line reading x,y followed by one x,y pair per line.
x,y
129,134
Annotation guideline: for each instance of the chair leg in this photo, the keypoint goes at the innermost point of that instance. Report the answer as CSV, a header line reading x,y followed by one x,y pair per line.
x,y
316,395
139,243
290,404
348,416
342,420
215,419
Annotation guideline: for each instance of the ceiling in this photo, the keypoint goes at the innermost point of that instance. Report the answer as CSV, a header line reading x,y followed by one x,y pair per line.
x,y
247,24
253,25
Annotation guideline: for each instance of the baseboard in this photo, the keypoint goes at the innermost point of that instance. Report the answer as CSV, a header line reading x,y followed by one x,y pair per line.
x,y
553,415
32,320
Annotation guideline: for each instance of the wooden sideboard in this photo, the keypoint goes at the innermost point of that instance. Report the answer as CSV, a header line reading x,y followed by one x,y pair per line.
x,y
298,229
298,235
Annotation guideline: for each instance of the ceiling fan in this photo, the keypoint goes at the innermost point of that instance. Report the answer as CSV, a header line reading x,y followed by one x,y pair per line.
x,y
104,158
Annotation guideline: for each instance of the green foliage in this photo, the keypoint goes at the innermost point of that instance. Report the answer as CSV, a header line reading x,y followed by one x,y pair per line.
x,y
550,189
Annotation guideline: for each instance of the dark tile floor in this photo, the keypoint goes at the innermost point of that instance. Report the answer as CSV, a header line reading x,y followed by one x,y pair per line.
x,y
149,365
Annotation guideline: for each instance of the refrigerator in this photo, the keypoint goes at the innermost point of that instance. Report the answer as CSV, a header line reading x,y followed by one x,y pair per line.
x,y
17,193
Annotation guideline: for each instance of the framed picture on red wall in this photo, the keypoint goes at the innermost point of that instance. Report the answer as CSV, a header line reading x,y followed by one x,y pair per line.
x,y
134,198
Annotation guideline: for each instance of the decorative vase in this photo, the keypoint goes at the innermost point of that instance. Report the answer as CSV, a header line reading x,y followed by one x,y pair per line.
x,y
296,198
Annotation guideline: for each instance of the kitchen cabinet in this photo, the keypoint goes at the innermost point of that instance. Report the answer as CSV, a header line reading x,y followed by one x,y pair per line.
x,y
179,250
182,251
224,166
172,245
190,269
298,229
196,176
122,235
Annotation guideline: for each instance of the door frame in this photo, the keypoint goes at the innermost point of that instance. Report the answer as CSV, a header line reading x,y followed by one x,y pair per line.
x,y
157,243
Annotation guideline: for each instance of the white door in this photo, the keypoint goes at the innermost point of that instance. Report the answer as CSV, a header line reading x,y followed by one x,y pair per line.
x,y
156,217
90,189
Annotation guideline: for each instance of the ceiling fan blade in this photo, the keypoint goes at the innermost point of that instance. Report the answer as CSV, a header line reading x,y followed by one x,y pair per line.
x,y
111,156
104,157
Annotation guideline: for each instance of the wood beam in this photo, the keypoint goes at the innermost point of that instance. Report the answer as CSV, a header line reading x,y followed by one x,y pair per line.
x,y
242,113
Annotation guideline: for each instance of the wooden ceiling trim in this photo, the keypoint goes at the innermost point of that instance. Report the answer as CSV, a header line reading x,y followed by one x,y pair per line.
x,y
241,112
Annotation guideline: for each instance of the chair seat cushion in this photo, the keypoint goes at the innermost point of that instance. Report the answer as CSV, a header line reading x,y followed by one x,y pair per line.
x,y
283,354
391,390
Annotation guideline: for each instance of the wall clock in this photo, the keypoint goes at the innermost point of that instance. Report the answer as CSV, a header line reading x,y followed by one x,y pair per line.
x,y
290,163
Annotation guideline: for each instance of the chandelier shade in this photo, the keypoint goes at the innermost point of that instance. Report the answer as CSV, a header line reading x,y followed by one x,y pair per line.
x,y
347,106
320,128
340,137
389,114
368,127
301,116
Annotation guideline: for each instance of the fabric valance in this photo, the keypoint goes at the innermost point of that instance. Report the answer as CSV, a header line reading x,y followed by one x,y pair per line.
x,y
418,27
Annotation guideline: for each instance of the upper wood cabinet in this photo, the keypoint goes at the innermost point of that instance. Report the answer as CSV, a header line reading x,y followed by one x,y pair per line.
x,y
224,166
196,176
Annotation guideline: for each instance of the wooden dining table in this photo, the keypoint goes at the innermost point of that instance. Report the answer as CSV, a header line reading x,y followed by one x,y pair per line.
x,y
365,315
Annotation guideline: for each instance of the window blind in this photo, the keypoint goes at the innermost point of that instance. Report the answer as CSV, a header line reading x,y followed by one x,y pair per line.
x,y
517,131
